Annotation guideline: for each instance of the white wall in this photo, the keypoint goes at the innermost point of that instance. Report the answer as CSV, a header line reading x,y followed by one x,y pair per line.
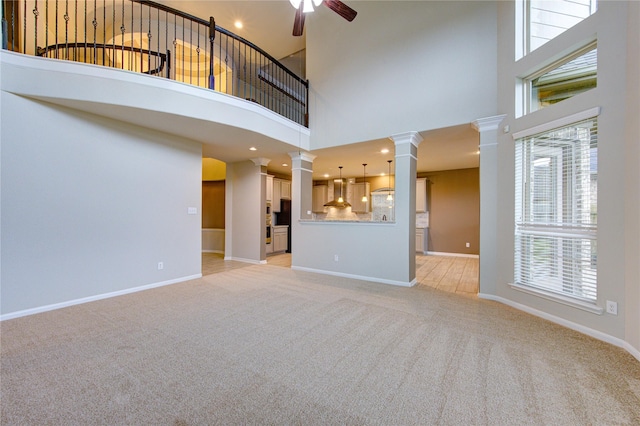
x,y
618,193
400,66
632,193
91,205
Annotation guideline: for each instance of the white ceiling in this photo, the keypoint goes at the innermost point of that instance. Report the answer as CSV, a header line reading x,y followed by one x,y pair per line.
x,y
269,24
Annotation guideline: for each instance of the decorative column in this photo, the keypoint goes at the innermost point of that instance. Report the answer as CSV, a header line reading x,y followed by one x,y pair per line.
x,y
488,129
406,147
301,196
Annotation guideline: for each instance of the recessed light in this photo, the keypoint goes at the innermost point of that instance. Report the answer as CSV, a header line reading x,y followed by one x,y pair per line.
x,y
284,165
238,24
253,148
326,175
384,151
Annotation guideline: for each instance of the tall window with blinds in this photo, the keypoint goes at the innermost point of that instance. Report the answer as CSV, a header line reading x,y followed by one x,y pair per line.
x,y
556,211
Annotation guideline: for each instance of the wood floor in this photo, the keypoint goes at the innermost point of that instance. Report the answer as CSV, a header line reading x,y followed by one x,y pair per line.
x,y
447,273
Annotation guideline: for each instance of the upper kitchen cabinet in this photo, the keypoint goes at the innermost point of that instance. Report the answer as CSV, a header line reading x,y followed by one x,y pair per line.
x,y
421,195
355,192
281,191
285,189
319,197
270,188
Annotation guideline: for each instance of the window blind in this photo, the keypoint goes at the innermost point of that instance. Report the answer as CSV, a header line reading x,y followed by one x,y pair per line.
x,y
556,210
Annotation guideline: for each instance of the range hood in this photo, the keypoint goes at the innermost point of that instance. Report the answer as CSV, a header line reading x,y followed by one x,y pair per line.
x,y
337,192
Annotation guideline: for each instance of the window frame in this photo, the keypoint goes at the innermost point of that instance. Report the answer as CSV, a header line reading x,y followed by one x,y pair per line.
x,y
563,297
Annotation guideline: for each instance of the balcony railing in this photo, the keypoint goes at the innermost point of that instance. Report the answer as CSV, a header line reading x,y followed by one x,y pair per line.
x,y
147,37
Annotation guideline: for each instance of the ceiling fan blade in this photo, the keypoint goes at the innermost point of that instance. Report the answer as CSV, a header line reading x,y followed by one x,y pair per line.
x,y
341,9
298,23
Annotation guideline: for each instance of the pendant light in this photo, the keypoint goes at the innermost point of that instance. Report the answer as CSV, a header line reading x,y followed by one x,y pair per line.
x,y
389,196
364,182
340,199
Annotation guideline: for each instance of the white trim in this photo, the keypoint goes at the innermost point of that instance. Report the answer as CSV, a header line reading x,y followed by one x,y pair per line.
x,y
302,156
261,161
407,137
559,298
357,277
442,253
565,323
301,169
407,155
241,259
488,123
486,145
68,303
213,251
560,122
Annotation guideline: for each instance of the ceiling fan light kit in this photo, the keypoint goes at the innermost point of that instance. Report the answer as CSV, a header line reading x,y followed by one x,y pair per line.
x,y
307,6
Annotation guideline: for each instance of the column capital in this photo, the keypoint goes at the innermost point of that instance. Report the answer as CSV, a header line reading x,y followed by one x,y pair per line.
x,y
407,137
487,123
261,161
302,156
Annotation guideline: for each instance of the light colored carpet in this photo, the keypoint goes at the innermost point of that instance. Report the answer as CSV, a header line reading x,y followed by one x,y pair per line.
x,y
268,345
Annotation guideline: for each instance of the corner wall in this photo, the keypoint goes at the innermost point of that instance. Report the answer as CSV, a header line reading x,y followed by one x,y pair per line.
x,y
90,206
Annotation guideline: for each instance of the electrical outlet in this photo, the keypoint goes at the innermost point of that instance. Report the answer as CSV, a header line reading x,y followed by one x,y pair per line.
x,y
160,266
468,245
336,258
612,307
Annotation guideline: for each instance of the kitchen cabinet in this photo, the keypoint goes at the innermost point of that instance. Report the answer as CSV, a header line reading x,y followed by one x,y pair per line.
x,y
421,240
421,195
280,234
355,191
270,189
281,191
285,189
276,195
319,198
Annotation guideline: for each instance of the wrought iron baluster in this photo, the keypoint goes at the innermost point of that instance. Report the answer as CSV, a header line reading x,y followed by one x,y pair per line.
x,y
84,56
198,55
166,42
190,50
212,37
56,32
141,55
75,31
66,30
113,38
122,31
95,31
35,15
149,36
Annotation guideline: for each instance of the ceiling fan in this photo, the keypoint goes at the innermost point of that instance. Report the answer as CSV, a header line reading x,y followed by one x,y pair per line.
x,y
305,6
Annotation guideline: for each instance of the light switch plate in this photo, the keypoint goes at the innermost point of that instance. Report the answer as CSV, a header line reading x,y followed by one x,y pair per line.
x,y
192,210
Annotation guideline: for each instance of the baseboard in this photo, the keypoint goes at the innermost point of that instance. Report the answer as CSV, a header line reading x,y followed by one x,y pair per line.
x,y
565,323
213,251
80,301
442,253
357,277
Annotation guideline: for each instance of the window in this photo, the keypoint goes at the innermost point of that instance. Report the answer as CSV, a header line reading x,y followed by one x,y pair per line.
x,y
546,19
556,211
574,74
